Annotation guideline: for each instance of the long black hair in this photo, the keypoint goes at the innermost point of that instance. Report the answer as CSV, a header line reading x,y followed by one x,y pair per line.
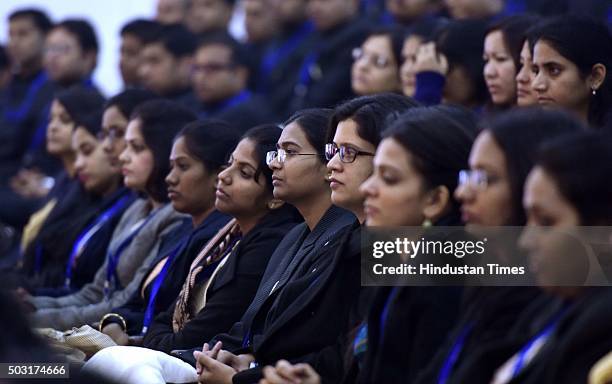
x,y
160,121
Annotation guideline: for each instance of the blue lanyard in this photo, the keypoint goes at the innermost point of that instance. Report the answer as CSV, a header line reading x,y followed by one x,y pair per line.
x,y
385,312
16,116
544,334
232,102
453,356
89,232
159,279
274,55
113,258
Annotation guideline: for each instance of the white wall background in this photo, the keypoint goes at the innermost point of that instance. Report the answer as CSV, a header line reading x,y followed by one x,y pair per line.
x,y
107,17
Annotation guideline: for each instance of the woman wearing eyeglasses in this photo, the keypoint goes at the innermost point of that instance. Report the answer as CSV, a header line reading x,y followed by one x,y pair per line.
x,y
376,63
417,319
491,194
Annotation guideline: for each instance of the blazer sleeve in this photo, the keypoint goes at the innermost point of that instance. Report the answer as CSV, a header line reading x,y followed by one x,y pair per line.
x,y
77,315
224,306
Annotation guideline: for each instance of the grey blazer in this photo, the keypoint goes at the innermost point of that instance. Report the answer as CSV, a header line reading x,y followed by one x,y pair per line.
x,y
89,304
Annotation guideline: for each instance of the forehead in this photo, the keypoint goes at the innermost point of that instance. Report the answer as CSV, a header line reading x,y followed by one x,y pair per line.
x,y
155,50
213,51
80,135
245,152
22,22
113,114
293,133
378,43
486,153
133,131
390,153
61,35
411,44
544,52
494,39
347,133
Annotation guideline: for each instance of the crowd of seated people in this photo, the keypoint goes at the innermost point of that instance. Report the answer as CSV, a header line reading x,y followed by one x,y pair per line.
x,y
207,224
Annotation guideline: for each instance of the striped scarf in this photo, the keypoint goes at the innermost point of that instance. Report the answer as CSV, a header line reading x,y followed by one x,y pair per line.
x,y
214,251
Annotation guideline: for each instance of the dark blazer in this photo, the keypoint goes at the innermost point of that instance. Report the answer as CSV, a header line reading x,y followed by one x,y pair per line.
x,y
133,311
298,249
231,291
418,321
581,337
44,261
330,75
490,312
242,116
311,312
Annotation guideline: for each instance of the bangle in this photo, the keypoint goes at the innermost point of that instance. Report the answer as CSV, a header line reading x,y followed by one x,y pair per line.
x,y
110,318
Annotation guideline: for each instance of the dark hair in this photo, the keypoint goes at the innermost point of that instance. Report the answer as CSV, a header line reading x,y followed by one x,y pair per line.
x,y
238,54
370,113
84,33
462,41
39,18
84,105
426,28
128,100
4,59
210,141
519,133
514,32
584,42
145,30
313,122
160,121
581,164
176,39
265,137
396,38
439,140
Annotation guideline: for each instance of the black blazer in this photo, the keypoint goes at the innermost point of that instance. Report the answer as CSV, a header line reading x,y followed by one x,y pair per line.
x,y
490,312
312,311
582,336
299,249
133,311
231,291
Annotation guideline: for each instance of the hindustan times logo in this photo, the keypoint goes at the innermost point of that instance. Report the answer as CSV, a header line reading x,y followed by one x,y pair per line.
x,y
411,248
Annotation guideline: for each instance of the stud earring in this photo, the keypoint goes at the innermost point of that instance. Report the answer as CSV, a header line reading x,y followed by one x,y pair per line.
x,y
426,223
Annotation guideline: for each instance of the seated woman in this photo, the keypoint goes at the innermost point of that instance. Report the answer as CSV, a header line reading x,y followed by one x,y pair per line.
x,y
301,304
137,237
198,154
491,194
58,234
525,95
502,48
376,63
572,59
449,69
411,183
558,340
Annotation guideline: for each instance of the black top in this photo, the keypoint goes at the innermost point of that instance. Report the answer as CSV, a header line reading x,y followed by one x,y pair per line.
x,y
242,111
330,74
231,291
133,311
581,336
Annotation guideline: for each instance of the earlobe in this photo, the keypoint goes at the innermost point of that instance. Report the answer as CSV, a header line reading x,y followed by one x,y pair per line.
x,y
598,76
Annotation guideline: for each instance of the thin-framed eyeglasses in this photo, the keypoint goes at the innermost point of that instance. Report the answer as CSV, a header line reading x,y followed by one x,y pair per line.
x,y
347,154
476,178
377,61
281,155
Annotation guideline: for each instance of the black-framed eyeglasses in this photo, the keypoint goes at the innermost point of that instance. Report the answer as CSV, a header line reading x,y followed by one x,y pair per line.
x,y
282,154
347,154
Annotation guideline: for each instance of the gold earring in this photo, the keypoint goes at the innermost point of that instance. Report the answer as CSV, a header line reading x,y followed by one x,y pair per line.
x,y
328,176
273,204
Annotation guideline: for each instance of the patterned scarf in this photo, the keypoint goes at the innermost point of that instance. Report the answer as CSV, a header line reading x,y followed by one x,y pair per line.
x,y
207,260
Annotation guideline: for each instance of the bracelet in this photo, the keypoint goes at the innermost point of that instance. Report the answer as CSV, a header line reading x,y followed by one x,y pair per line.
x,y
118,319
